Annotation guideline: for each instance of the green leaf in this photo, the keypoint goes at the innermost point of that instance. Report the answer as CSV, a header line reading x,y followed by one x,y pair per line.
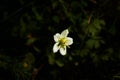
x,y
84,24
36,49
70,58
97,44
98,23
38,16
95,57
94,43
29,58
90,43
22,27
92,30
30,41
105,57
59,63
110,50
95,27
51,59
54,4
84,52
118,77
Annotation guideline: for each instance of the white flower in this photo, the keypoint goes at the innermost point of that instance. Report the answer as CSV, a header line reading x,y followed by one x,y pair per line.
x,y
62,42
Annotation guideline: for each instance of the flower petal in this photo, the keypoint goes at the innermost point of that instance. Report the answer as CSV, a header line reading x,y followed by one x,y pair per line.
x,y
56,37
64,33
55,47
63,50
69,41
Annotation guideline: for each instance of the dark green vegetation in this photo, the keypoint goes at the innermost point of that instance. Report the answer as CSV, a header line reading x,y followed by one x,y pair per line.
x,y
26,39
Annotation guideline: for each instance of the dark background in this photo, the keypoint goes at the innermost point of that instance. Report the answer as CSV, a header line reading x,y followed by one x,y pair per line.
x,y
26,39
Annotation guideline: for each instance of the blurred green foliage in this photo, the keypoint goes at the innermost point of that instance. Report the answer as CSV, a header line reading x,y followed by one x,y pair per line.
x,y
27,28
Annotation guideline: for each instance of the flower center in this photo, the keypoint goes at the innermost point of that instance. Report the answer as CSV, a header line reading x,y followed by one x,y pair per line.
x,y
63,41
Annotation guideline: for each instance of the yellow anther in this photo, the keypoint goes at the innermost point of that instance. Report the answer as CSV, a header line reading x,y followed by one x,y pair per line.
x,y
63,41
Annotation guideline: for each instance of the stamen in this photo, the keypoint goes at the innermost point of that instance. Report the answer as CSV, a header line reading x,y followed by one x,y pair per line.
x,y
63,41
